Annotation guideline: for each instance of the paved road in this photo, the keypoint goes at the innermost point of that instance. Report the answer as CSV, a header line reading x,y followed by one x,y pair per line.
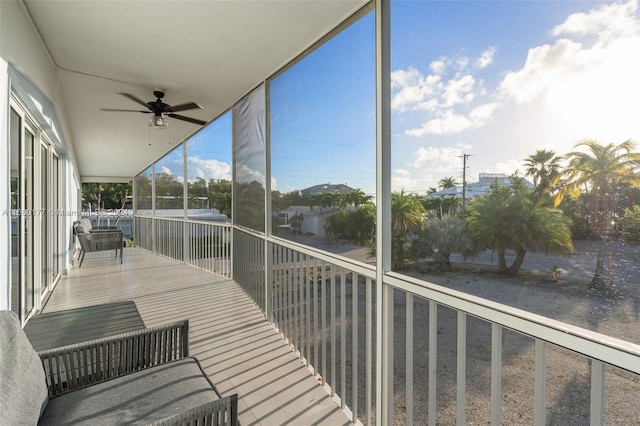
x,y
582,263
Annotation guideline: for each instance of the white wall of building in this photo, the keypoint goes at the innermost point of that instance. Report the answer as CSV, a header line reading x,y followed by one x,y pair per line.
x,y
25,61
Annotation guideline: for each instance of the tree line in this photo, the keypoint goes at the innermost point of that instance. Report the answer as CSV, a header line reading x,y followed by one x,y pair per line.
x,y
595,195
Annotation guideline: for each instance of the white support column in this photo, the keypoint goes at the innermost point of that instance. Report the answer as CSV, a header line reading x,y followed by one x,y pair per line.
x,y
5,228
384,295
186,240
154,235
268,259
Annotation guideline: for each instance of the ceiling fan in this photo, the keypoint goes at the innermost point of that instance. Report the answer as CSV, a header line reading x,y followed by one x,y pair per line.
x,y
161,110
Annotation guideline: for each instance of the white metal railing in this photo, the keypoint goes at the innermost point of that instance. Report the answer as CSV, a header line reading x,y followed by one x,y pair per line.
x,y
209,246
169,237
324,306
205,245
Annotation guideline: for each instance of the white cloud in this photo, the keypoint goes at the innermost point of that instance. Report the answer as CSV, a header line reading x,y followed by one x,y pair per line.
x,y
208,169
430,165
403,179
413,90
608,22
165,170
245,174
441,160
459,91
588,79
508,167
545,66
438,67
448,122
462,63
482,113
486,58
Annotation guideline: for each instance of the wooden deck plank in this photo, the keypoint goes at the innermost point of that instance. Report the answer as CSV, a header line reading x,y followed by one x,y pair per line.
x,y
237,347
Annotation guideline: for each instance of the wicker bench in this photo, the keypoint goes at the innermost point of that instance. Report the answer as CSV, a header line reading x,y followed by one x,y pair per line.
x,y
142,377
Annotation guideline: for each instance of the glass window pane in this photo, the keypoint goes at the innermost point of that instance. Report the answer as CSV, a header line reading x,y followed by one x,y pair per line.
x,y
28,221
143,192
494,126
514,130
250,166
169,183
209,171
14,141
323,144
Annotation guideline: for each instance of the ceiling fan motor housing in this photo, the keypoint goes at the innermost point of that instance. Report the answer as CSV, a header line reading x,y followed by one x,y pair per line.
x,y
162,110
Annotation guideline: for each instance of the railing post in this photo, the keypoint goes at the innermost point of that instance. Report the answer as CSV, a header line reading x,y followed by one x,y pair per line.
x,y
409,359
496,373
461,372
540,383
432,416
268,281
597,393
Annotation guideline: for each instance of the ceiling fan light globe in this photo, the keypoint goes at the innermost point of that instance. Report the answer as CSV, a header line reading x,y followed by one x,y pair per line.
x,y
158,122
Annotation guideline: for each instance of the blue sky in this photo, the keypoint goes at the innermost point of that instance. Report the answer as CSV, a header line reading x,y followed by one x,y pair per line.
x,y
493,79
498,80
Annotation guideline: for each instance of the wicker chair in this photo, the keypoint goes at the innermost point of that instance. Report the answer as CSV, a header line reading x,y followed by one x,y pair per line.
x,y
143,377
97,239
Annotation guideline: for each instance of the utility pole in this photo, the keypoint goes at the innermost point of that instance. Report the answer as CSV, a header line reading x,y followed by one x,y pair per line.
x,y
464,181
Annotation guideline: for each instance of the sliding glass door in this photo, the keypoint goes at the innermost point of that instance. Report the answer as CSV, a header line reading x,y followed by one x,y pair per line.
x,y
35,220
22,140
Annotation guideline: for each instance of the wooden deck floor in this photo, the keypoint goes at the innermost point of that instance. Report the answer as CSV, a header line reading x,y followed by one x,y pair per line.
x,y
236,346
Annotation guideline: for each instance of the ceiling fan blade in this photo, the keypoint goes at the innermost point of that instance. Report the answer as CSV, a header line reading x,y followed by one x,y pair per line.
x,y
184,107
124,110
189,119
135,99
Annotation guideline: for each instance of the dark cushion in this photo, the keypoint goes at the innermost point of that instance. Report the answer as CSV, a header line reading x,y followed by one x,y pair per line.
x,y
138,398
23,388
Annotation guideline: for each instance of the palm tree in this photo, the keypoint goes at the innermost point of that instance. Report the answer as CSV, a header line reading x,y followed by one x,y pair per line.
x,y
508,217
357,198
443,234
447,182
406,213
543,166
599,171
406,219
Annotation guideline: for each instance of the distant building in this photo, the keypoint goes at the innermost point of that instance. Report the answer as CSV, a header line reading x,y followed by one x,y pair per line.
x,y
312,219
324,189
476,189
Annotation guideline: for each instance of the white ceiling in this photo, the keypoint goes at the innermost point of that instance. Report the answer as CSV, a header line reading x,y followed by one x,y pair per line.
x,y
209,52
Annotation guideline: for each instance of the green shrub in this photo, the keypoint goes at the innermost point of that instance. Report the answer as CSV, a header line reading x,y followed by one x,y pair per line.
x,y
631,225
